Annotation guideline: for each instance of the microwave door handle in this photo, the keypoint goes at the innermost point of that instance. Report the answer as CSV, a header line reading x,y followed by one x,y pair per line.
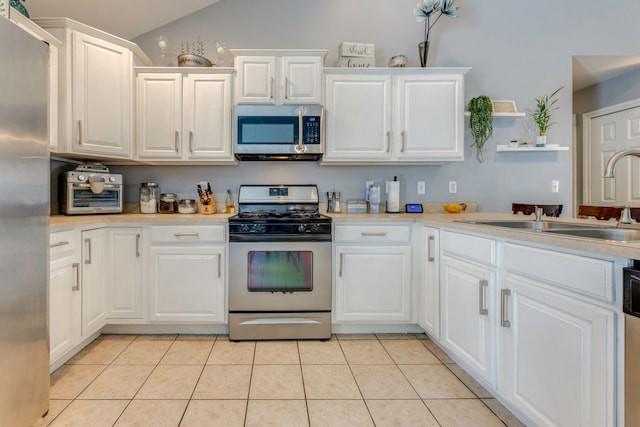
x,y
300,148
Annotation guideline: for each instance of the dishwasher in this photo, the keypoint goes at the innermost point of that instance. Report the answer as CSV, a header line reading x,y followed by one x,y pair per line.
x,y
631,308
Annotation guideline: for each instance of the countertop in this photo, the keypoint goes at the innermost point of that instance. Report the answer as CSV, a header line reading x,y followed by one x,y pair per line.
x,y
440,220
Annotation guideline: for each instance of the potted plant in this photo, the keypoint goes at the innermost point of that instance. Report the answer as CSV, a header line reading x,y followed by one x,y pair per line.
x,y
542,115
480,122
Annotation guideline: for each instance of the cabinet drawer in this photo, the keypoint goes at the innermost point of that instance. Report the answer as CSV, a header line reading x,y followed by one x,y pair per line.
x,y
373,233
589,276
188,234
63,243
473,248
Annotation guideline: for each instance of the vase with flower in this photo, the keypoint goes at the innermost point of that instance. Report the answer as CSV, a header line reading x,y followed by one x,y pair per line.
x,y
430,12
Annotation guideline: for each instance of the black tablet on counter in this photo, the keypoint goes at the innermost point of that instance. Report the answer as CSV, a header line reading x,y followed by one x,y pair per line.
x,y
413,208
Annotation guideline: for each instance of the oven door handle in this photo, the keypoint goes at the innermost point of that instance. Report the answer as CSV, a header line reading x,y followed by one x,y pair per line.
x,y
84,185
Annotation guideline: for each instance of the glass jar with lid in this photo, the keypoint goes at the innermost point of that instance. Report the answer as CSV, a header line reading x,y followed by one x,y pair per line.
x,y
149,195
168,203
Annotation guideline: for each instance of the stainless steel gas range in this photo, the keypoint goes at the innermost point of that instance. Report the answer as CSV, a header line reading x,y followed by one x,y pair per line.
x,y
279,264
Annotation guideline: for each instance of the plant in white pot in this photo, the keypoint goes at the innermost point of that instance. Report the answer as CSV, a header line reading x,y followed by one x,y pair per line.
x,y
542,115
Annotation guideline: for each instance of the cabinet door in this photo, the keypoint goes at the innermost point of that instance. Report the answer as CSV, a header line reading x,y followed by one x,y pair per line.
x,y
95,271
559,366
373,283
124,287
468,314
102,97
187,284
64,295
256,80
358,117
159,115
429,292
207,116
429,121
301,80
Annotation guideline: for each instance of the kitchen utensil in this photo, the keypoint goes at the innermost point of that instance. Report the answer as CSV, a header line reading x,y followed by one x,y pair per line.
x,y
336,202
329,201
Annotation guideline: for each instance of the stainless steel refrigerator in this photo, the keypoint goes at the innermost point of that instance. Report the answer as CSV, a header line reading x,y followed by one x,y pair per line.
x,y
24,227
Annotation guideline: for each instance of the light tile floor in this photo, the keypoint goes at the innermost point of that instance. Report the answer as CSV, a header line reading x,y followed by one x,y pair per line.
x,y
350,380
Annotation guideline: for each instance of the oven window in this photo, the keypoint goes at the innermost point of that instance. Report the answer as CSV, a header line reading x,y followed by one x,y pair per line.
x,y
85,198
280,271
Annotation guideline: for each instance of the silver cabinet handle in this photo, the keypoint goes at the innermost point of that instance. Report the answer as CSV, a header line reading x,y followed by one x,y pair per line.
x,y
195,234
271,88
80,132
175,140
482,286
219,266
191,141
388,141
365,234
76,266
88,243
504,308
138,245
430,243
58,244
404,141
340,267
286,88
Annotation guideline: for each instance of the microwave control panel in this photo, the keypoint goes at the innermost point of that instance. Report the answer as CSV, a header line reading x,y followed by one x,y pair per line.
x,y
311,129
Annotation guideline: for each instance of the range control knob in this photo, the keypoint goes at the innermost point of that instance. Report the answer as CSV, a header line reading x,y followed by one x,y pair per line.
x,y
315,228
301,228
259,228
112,179
244,228
82,177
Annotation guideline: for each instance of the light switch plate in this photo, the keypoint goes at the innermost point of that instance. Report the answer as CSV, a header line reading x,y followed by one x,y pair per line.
x,y
453,187
420,187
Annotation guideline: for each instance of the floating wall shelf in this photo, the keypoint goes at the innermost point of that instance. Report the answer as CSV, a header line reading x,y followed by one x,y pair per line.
x,y
548,147
500,115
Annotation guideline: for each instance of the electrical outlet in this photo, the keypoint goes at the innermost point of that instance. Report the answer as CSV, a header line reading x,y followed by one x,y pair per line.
x,y
453,187
420,187
555,186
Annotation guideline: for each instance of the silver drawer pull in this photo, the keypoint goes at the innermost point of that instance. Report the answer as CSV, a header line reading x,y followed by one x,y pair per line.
x,y
138,245
76,266
87,242
58,244
483,285
340,269
196,234
219,266
430,256
504,308
365,234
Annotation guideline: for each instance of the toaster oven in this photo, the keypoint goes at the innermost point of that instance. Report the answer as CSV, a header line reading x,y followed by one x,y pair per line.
x,y
90,190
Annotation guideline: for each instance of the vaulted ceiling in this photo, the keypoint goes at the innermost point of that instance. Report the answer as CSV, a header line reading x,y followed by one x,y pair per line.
x,y
124,18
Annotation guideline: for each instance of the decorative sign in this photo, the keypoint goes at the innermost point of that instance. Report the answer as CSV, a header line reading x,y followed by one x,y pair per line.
x,y
4,8
504,107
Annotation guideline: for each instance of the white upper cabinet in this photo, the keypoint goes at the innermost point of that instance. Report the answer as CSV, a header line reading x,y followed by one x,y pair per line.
x,y
400,115
96,91
278,77
184,116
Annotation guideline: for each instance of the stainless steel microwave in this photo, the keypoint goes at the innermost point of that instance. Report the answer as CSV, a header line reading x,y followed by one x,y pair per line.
x,y
279,132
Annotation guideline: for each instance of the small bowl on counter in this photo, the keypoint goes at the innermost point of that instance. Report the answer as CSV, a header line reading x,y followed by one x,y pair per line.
x,y
454,207
187,206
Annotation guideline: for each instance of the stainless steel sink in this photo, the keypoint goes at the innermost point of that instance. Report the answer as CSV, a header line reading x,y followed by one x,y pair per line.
x,y
535,225
615,234
568,228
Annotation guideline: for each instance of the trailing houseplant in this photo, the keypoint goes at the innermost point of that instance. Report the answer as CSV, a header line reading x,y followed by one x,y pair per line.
x,y
426,10
480,122
542,114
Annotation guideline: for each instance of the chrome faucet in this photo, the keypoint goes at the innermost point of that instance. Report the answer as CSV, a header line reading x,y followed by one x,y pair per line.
x,y
625,216
538,212
613,160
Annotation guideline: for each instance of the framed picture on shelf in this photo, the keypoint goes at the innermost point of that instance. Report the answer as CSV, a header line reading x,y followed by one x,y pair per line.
x,y
504,107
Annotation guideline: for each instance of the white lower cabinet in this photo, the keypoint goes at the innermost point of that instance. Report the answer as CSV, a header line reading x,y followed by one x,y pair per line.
x,y
187,274
124,288
468,314
373,275
429,282
558,348
64,293
95,271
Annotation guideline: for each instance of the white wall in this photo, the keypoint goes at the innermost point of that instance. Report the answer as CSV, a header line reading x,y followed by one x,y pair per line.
x,y
518,50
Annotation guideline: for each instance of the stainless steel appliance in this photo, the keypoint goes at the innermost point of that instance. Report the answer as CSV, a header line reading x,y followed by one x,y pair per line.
x,y
282,132
90,189
24,227
631,308
279,264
